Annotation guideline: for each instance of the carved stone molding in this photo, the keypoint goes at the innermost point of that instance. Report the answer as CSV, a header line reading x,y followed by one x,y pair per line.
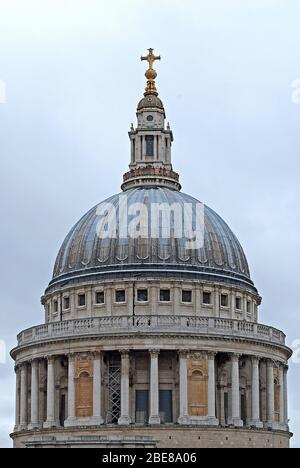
x,y
198,355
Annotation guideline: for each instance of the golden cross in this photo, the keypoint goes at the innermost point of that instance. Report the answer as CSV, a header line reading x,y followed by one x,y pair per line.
x,y
151,58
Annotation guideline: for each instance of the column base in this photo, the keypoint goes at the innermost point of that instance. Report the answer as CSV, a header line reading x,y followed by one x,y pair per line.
x,y
124,421
22,427
33,426
49,424
154,420
203,421
76,422
97,421
212,421
276,426
70,422
255,423
184,420
236,422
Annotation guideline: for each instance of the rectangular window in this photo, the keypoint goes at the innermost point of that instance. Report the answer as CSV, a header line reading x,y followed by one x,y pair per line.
x,y
238,303
149,145
186,295
206,297
81,300
164,295
142,295
100,297
55,306
141,406
66,303
248,307
165,406
224,300
120,295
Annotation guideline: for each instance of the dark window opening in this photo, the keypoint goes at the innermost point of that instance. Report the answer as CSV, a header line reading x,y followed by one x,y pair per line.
x,y
62,410
100,297
165,295
224,300
248,307
238,303
142,295
226,408
141,406
186,296
149,145
66,302
243,409
81,300
55,306
206,298
120,295
165,406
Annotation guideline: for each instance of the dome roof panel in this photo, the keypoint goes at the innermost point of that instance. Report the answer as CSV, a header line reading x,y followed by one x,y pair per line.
x,y
83,249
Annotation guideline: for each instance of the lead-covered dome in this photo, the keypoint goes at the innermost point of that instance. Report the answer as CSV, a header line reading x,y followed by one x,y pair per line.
x,y
221,258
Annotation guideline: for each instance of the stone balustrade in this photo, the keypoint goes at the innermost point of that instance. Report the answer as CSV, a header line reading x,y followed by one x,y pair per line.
x,y
151,324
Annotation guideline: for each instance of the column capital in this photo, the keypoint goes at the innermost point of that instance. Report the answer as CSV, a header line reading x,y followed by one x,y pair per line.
x,y
270,363
34,361
96,354
50,358
255,359
236,356
154,352
183,353
72,357
124,352
211,355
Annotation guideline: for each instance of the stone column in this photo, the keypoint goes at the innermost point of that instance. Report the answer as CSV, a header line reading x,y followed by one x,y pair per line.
x,y
255,397
97,390
71,420
17,409
23,397
217,302
270,394
285,389
212,390
50,422
34,419
222,406
232,305
154,388
124,418
281,398
183,388
235,419
42,399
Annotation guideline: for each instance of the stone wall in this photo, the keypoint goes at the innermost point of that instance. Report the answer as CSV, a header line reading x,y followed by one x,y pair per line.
x,y
171,437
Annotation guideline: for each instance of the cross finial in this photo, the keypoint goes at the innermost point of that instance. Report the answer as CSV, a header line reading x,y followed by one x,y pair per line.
x,y
151,73
151,58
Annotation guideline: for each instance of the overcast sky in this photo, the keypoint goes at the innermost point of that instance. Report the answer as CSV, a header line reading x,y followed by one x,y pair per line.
x,y
73,79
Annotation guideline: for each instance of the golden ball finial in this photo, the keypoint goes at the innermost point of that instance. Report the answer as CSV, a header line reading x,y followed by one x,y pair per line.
x,y
151,73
